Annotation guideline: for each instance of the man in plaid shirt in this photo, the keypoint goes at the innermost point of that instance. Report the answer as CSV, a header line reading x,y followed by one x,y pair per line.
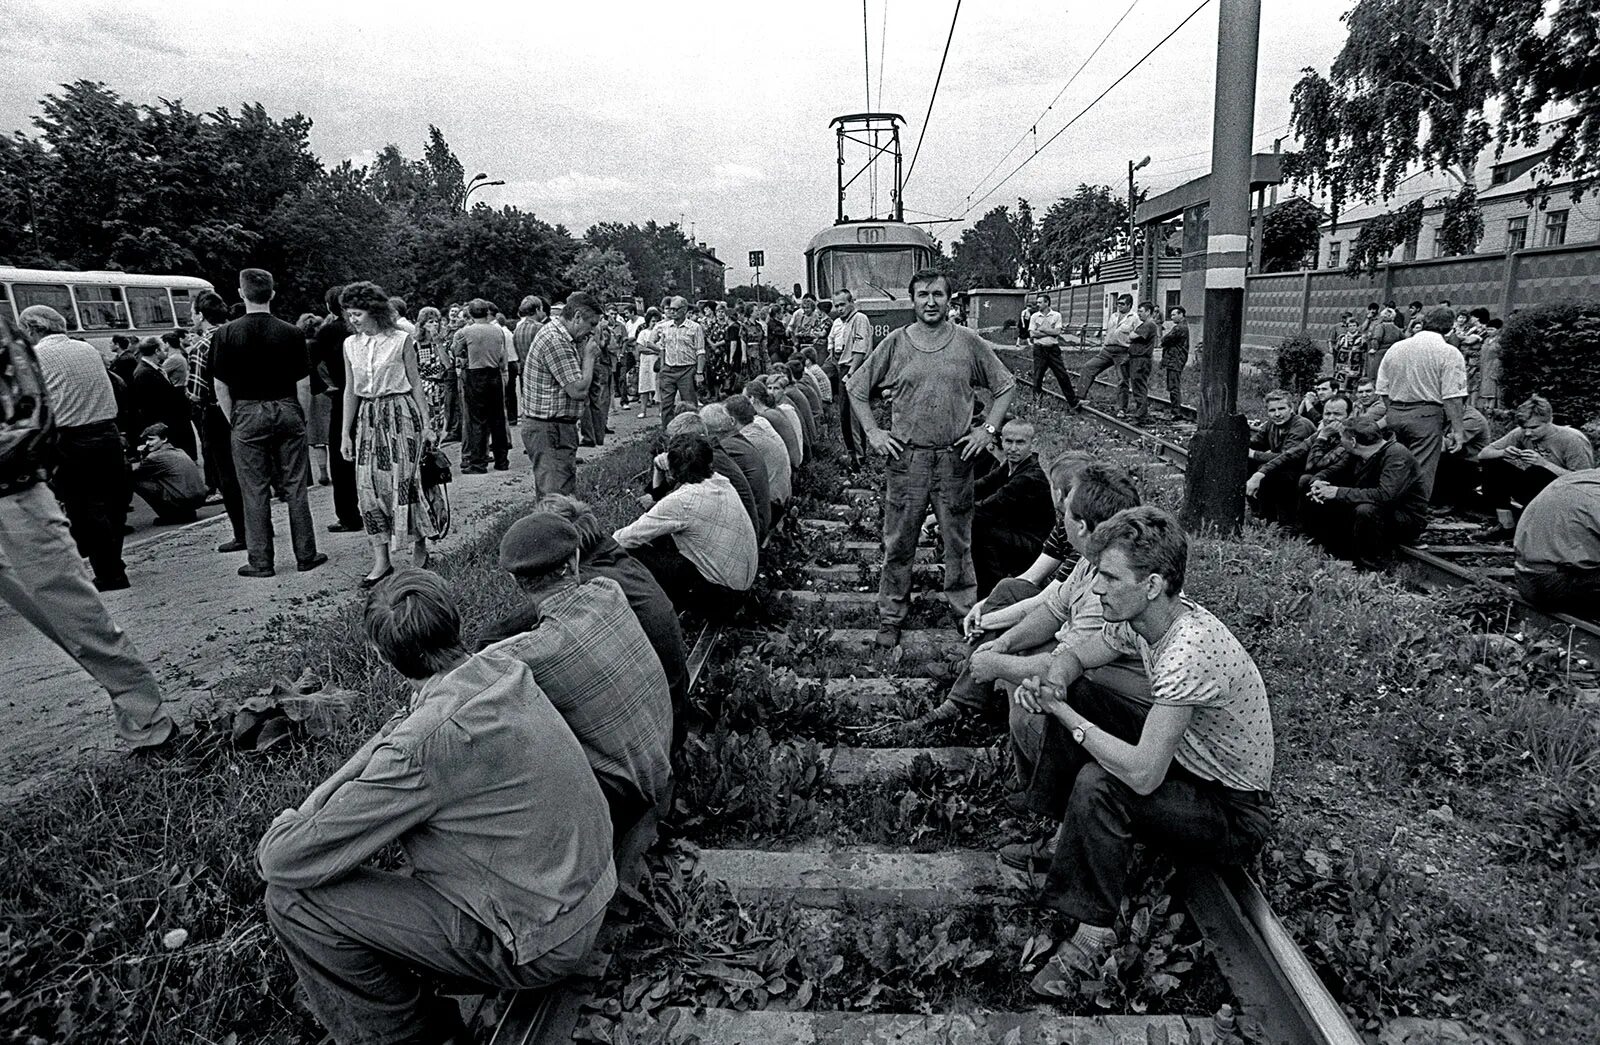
x,y
555,392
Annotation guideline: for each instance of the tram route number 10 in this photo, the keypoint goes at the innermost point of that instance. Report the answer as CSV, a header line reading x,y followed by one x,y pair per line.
x,y
758,258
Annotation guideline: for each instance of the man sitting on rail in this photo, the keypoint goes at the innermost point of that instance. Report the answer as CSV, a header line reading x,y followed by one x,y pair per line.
x,y
698,540
1188,771
769,444
1368,402
1367,505
483,785
789,398
1558,545
786,422
590,656
1278,451
1326,448
723,432
1530,457
688,422
1012,511
1310,406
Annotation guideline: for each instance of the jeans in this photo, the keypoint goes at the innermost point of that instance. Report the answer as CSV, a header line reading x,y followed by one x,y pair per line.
x,y
1102,818
964,691
42,578
269,439
1366,534
592,419
1137,369
363,945
552,446
92,481
1104,360
346,505
1420,428
1048,358
219,448
485,420
672,382
920,477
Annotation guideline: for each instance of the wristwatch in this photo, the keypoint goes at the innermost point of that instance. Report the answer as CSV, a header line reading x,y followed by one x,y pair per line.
x,y
1080,732
990,429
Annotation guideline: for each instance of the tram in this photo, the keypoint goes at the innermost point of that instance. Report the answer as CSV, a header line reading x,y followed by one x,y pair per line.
x,y
873,258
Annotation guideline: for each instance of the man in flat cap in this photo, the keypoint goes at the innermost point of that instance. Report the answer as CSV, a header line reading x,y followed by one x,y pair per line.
x,y
588,653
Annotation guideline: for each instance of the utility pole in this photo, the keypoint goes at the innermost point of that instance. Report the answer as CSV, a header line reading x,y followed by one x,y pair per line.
x,y
1133,228
1218,462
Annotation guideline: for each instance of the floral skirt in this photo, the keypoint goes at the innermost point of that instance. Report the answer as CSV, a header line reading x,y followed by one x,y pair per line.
x,y
388,482
437,391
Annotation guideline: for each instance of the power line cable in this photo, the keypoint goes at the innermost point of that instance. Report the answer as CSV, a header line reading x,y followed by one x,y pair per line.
x,y
1085,110
1034,127
926,116
883,44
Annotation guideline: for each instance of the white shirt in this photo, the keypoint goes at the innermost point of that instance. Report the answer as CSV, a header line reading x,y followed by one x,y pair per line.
x,y
511,345
1423,368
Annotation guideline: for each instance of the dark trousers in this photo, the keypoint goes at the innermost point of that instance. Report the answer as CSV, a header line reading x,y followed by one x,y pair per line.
x,y
1136,395
1366,534
1048,359
1175,388
1102,818
93,484
208,454
999,553
168,509
675,383
1569,589
679,577
855,439
1505,484
346,505
219,447
1278,498
921,477
513,373
485,421
552,446
1420,428
1008,592
1456,485
597,411
452,405
269,442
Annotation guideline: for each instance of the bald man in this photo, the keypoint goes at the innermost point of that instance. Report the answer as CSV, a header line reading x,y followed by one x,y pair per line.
x,y
683,358
1013,513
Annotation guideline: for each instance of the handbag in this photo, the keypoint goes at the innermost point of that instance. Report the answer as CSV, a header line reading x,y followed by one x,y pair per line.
x,y
435,473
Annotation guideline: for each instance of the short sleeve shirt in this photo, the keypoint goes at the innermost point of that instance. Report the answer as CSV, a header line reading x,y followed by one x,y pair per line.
x,y
259,357
1567,447
932,389
1074,603
552,364
1198,663
1059,546
1423,368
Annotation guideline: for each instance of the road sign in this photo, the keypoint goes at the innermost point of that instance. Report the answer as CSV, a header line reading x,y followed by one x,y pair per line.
x,y
758,258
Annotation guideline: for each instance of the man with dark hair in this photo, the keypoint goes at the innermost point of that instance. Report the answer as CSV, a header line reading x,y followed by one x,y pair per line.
x,y
1175,356
1366,505
1141,348
698,540
590,656
1188,772
785,423
723,432
1558,545
262,376
505,830
1530,457
1278,451
1322,390
479,349
1423,381
167,478
769,444
933,368
555,392
216,435
1043,334
87,469
328,350
157,401
606,339
1113,352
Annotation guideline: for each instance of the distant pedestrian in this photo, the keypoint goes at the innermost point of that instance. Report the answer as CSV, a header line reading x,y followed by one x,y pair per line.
x,y
385,429
1141,349
849,341
606,341
215,432
1175,356
156,401
41,574
683,358
1113,352
263,381
328,357
433,348
649,352
1423,381
318,424
555,391
1043,333
479,349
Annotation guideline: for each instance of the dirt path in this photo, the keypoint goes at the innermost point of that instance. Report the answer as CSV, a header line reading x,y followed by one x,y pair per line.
x,y
192,618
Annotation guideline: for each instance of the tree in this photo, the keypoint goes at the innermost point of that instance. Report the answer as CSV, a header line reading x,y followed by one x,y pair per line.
x,y
1291,233
989,254
601,272
1080,231
659,256
1412,85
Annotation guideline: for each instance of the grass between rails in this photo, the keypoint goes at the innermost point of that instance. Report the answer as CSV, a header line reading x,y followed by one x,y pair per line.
x,y
93,875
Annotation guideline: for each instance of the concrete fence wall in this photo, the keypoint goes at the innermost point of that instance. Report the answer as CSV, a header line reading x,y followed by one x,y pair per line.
x,y
1279,304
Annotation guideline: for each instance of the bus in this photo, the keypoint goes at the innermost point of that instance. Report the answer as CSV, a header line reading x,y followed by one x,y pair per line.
x,y
874,260
98,305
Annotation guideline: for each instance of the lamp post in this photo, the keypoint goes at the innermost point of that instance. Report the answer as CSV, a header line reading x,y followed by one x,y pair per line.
x,y
1133,248
478,182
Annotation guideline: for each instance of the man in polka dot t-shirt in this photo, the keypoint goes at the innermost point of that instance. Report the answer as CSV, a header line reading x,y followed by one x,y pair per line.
x,y
1189,772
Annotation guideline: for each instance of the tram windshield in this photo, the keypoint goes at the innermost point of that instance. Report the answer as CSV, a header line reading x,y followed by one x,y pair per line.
x,y
870,275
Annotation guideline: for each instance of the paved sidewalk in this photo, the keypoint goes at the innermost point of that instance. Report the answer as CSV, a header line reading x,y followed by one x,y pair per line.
x,y
191,615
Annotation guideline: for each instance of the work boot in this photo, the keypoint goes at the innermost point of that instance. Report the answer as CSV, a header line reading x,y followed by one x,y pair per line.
x,y
947,711
888,636
1030,857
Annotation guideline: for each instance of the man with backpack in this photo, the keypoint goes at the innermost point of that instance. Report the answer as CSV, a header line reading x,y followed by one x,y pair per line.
x,y
41,575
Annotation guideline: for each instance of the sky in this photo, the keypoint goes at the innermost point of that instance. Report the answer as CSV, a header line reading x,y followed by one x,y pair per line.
x,y
713,113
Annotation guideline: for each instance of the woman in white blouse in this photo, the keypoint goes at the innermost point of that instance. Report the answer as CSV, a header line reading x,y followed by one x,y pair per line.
x,y
385,427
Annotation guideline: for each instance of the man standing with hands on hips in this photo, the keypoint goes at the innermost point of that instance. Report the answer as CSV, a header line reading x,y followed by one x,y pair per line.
x,y
932,367
683,359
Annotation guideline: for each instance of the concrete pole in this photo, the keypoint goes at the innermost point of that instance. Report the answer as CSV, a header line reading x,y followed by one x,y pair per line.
x,y
1218,462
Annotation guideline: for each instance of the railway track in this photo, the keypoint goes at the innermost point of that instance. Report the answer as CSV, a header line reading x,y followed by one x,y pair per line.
x,y
831,878
1451,555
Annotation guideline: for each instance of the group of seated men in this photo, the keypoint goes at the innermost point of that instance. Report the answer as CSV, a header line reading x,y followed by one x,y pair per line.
x,y
1135,715
578,691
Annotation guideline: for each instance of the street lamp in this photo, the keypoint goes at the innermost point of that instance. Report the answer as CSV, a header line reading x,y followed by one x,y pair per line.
x,y
476,183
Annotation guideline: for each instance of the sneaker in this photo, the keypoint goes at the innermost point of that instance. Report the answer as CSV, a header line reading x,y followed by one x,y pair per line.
x,y
1029,857
888,636
234,545
257,571
312,563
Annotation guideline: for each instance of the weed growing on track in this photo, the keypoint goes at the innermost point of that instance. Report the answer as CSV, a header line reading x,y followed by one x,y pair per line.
x,y
94,874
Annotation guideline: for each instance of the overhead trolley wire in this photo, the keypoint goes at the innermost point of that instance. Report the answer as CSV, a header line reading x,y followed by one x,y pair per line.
x,y
926,116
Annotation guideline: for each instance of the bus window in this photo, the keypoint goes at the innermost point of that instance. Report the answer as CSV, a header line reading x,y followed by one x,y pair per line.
x,y
149,306
183,307
56,295
5,303
101,307
869,275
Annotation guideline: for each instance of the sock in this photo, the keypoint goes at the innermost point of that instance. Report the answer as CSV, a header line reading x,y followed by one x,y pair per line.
x,y
1092,939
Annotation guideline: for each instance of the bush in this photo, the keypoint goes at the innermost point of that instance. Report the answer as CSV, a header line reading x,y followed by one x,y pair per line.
x,y
1299,363
1554,350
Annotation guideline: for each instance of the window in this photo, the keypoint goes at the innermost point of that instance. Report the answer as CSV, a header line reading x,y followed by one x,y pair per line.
x,y
1334,250
183,306
5,303
150,307
101,307
1517,232
871,275
1555,228
56,295
1409,251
